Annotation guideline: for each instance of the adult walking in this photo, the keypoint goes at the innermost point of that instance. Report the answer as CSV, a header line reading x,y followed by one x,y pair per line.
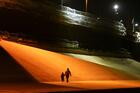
x,y
67,74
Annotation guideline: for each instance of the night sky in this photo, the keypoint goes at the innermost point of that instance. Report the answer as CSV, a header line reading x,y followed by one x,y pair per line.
x,y
128,8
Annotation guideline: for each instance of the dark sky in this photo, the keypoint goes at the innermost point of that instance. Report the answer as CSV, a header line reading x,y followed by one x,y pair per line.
x,y
128,8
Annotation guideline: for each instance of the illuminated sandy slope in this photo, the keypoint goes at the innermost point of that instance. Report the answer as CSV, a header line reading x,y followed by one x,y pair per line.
x,y
46,66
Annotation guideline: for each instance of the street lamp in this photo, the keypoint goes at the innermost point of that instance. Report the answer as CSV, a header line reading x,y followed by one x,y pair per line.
x,y
136,25
116,7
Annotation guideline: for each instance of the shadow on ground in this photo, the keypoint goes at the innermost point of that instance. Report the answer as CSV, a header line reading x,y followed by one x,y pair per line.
x,y
10,71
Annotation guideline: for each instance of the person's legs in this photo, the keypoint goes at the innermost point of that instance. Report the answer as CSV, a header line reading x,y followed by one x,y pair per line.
x,y
67,79
62,79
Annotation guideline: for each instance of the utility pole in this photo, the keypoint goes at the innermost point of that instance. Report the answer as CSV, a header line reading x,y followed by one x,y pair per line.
x,y
133,22
86,6
62,4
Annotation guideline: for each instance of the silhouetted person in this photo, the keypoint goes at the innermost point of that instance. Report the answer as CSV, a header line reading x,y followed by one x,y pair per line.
x,y
67,74
62,77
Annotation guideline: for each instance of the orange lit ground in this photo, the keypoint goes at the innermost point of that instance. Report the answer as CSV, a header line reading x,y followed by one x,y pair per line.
x,y
46,67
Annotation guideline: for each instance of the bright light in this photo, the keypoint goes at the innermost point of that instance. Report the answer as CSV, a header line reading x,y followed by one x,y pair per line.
x,y
116,7
136,25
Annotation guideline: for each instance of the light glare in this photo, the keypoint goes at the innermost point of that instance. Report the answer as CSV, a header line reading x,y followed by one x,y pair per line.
x,y
116,6
136,25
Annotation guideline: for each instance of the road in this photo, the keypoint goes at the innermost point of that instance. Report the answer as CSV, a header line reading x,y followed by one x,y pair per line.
x,y
46,67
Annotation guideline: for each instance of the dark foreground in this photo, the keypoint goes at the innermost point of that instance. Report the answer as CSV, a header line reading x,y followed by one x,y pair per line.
x,y
130,90
45,88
